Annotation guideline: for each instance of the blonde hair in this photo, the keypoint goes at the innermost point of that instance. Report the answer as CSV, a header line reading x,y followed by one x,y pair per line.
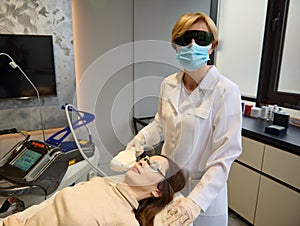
x,y
188,19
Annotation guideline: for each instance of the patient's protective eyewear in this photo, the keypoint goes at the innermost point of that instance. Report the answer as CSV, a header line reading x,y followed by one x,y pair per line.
x,y
202,38
154,165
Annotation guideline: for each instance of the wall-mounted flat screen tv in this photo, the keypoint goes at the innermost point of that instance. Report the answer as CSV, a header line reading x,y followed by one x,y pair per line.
x,y
34,55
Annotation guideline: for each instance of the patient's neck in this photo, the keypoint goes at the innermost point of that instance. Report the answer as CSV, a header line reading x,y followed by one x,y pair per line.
x,y
141,192
136,192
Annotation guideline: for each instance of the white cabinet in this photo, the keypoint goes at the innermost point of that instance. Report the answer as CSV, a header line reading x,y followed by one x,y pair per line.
x,y
243,190
252,153
282,165
263,185
277,205
243,182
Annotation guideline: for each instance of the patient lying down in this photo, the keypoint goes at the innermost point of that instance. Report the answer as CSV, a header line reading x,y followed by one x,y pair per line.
x,y
148,187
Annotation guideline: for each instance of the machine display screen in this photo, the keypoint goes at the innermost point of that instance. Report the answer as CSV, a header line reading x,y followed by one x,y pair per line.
x,y
26,159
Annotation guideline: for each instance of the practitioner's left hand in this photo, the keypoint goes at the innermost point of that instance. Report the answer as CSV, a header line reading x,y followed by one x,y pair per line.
x,y
182,212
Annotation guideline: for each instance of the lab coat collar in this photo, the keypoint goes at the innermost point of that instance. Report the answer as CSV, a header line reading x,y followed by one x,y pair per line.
x,y
210,79
127,194
174,83
208,82
175,80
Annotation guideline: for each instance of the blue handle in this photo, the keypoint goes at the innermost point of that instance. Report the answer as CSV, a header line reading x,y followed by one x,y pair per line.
x,y
84,118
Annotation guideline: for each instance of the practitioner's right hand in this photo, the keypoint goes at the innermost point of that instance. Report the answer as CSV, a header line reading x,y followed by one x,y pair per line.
x,y
137,142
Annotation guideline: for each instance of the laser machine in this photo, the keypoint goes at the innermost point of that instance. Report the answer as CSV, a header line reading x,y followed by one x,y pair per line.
x,y
33,170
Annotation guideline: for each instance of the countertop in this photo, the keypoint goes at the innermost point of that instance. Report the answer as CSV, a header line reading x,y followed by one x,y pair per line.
x,y
254,128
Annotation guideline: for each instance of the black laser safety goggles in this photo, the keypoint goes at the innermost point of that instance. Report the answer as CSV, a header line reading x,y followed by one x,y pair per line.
x,y
202,38
153,165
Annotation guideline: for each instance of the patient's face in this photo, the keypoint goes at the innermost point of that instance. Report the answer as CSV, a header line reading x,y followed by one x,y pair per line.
x,y
141,174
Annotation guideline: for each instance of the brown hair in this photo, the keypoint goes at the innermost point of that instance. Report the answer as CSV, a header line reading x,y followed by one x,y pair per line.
x,y
188,19
149,207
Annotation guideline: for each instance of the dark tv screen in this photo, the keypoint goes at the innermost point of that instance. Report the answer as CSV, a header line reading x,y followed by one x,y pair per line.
x,y
34,55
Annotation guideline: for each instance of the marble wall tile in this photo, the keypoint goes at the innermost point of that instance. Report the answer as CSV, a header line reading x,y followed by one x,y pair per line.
x,y
41,17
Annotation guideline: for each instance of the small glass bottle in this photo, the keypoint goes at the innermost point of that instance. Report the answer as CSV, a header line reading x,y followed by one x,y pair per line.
x,y
264,114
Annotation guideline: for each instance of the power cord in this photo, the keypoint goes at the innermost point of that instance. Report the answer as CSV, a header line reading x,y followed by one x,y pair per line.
x,y
97,169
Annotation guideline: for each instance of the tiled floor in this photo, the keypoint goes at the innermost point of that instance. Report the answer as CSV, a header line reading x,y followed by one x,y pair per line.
x,y
234,220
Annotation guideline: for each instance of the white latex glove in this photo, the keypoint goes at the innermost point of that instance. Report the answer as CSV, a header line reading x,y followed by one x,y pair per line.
x,y
137,142
181,213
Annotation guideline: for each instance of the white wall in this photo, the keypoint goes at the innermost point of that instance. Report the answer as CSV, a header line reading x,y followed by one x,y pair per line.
x,y
113,73
42,17
241,29
154,60
103,67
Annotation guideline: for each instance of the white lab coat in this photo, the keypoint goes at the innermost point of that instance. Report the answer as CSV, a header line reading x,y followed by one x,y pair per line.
x,y
202,133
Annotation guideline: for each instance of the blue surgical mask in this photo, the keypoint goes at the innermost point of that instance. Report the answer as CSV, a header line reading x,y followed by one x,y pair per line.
x,y
193,56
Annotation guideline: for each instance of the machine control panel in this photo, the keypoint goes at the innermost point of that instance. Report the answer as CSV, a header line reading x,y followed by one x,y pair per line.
x,y
24,163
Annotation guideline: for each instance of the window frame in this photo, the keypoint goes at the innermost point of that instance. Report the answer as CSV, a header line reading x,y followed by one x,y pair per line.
x,y
271,57
275,27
